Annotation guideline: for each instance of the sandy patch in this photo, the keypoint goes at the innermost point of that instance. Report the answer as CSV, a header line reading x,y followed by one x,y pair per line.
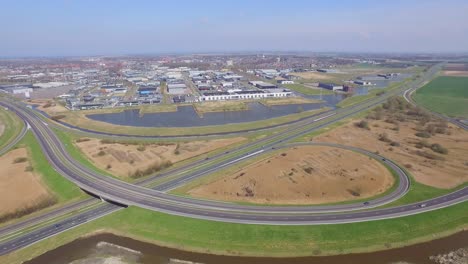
x,y
18,188
124,159
302,175
312,75
446,173
49,106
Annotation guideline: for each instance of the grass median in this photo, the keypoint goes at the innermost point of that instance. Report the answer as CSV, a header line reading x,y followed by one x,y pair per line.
x,y
12,126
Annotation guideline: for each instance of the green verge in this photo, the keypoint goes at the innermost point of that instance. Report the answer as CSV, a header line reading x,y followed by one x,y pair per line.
x,y
446,95
262,240
12,126
306,90
63,188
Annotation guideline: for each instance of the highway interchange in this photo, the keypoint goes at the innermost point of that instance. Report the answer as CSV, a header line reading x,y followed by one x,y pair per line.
x,y
156,197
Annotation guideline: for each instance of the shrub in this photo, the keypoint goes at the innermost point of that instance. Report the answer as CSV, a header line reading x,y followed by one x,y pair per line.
x,y
29,168
363,124
151,169
82,140
308,170
384,137
57,117
422,144
394,144
423,134
20,160
439,149
428,155
141,148
408,166
108,166
101,153
41,203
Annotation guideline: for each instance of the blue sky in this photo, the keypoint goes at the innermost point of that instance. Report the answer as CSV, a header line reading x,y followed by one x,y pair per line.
x,y
101,27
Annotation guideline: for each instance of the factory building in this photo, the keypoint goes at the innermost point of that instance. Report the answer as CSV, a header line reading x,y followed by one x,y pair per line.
x,y
240,95
331,86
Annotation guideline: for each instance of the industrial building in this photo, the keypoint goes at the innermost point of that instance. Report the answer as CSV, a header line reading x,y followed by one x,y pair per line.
x,y
249,94
331,86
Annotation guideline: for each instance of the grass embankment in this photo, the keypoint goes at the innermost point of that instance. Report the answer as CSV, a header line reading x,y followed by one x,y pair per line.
x,y
12,126
79,119
262,240
307,90
446,95
61,187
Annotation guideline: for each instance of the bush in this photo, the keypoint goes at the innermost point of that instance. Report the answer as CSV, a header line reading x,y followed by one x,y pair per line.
x,y
363,124
422,144
82,140
108,166
384,137
141,148
394,144
20,160
439,149
101,153
408,166
151,169
29,168
423,134
40,204
428,155
57,117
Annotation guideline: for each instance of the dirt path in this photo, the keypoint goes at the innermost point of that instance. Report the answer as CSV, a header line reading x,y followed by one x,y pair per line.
x,y
302,175
19,188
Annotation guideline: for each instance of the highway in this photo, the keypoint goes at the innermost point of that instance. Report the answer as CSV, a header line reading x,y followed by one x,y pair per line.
x,y
156,199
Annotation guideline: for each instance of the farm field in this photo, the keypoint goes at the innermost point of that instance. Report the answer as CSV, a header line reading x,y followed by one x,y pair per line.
x,y
446,95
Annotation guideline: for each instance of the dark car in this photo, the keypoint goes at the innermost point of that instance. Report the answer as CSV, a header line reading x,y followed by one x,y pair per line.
x,y
366,203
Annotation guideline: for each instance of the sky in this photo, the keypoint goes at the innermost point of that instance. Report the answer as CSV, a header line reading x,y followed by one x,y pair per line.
x,y
126,27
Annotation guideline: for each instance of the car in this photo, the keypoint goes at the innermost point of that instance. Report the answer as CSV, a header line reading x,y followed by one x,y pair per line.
x,y
422,205
57,225
366,203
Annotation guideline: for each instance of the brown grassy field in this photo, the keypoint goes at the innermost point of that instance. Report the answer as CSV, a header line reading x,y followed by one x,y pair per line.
x,y
455,69
123,160
314,75
20,188
393,133
302,175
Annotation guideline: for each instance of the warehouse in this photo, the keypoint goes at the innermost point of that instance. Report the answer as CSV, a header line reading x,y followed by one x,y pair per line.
x,y
239,95
331,86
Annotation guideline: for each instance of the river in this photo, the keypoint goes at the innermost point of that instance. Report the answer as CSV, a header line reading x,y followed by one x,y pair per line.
x,y
92,250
